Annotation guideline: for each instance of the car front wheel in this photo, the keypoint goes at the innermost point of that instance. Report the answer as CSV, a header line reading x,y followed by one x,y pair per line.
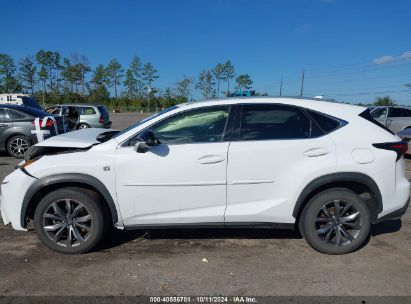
x,y
70,220
335,221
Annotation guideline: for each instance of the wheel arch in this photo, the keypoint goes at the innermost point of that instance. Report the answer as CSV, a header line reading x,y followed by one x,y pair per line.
x,y
44,185
358,182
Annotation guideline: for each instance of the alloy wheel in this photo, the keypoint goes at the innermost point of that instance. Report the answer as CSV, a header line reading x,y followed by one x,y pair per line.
x,y
67,222
19,146
338,223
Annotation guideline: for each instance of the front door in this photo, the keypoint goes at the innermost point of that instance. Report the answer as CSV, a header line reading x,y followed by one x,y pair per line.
x,y
182,180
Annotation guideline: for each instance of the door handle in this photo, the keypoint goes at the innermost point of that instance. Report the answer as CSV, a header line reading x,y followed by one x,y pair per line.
x,y
3,125
211,159
313,152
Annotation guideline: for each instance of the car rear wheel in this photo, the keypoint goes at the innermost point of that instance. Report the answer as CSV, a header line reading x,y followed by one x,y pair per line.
x,y
335,221
70,220
83,126
18,145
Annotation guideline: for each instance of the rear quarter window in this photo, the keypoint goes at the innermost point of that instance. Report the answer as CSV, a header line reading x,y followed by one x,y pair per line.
x,y
325,122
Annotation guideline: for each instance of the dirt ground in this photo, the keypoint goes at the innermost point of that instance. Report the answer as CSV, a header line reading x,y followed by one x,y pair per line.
x,y
206,261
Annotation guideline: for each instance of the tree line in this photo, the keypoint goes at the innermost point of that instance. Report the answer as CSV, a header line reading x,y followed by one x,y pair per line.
x,y
54,79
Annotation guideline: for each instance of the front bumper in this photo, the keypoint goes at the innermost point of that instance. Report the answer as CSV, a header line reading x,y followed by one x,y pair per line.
x,y
395,215
13,190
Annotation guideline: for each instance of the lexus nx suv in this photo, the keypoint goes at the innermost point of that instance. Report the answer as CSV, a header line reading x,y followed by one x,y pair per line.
x,y
327,169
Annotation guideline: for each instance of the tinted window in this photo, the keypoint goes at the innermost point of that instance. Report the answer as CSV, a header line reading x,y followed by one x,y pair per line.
x,y
395,112
259,122
86,110
16,114
325,122
193,126
406,112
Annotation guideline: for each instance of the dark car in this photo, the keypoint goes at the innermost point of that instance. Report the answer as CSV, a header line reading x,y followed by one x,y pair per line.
x,y
18,130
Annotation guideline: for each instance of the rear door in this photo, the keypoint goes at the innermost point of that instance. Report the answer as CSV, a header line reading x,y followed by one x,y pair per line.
x,y
275,150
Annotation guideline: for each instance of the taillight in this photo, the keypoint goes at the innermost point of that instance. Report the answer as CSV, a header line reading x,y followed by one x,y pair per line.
x,y
400,147
49,123
101,120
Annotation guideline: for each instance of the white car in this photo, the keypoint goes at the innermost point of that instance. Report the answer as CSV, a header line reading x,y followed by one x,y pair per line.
x,y
326,168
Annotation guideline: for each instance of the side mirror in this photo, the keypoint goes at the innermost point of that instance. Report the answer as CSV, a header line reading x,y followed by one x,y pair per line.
x,y
145,140
148,137
141,147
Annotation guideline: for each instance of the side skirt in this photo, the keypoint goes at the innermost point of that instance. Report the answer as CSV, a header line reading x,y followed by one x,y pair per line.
x,y
252,225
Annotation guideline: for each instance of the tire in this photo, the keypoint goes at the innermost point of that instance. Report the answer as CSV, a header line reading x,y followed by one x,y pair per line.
x,y
335,233
66,233
18,145
83,125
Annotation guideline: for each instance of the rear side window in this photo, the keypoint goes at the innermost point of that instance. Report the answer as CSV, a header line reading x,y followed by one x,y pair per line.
x,y
326,123
264,122
406,112
367,115
87,111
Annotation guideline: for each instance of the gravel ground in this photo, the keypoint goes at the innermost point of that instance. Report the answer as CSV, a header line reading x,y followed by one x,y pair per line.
x,y
237,262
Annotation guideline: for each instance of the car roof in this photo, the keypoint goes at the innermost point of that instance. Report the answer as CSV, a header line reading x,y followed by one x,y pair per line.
x,y
333,108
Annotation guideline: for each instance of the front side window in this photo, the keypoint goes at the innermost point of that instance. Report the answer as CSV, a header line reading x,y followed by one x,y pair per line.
x,y
203,125
263,122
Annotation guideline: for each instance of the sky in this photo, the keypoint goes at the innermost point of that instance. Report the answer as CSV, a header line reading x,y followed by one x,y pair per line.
x,y
350,50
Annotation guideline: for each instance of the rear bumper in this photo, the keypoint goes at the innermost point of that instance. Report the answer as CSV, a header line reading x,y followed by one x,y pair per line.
x,y
395,215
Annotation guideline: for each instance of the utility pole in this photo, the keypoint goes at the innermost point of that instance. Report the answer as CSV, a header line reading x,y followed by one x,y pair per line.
x,y
281,85
302,84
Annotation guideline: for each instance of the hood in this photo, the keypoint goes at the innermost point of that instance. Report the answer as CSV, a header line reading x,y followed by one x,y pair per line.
x,y
82,138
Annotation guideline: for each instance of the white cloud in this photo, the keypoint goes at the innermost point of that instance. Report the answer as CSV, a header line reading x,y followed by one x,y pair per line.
x,y
387,59
406,55
384,59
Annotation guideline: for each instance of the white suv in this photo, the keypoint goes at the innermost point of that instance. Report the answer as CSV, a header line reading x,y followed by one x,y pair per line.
x,y
328,169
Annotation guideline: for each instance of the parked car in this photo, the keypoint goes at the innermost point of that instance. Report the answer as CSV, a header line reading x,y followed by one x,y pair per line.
x,y
91,116
17,128
396,118
329,169
20,99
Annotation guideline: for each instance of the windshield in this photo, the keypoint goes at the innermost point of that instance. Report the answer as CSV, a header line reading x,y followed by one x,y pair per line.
x,y
145,120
